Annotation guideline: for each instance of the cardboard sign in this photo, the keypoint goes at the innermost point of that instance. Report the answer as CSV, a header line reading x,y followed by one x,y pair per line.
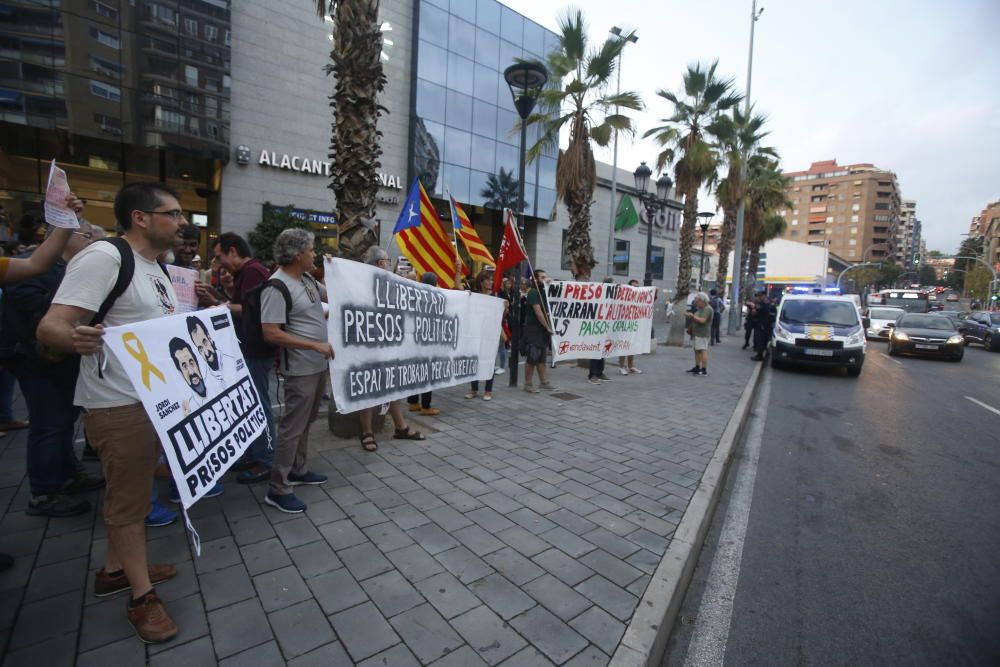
x,y
394,337
57,213
191,377
183,281
599,320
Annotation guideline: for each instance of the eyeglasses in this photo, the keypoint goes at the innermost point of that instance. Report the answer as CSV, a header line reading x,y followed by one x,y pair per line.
x,y
177,214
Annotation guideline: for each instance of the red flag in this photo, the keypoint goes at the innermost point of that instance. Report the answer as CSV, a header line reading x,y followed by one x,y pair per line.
x,y
511,250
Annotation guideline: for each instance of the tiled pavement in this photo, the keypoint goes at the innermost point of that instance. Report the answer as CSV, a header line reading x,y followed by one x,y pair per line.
x,y
522,532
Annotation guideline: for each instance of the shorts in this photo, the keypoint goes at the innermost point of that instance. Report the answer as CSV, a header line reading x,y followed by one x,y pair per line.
x,y
126,443
534,344
700,343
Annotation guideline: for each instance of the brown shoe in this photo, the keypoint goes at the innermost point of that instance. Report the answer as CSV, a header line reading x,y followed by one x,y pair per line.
x,y
414,407
105,586
430,412
151,621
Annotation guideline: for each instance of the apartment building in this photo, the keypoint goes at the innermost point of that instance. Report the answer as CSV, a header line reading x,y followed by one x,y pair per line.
x,y
908,234
853,209
987,225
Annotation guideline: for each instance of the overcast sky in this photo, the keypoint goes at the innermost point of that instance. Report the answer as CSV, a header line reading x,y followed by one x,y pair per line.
x,y
912,86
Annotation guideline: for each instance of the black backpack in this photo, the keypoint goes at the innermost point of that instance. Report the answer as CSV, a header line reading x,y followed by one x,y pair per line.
x,y
251,328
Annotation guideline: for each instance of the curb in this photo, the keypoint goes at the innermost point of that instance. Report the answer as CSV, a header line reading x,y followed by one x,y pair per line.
x,y
645,638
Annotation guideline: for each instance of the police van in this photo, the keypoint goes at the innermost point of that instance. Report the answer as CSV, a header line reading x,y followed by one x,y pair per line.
x,y
819,330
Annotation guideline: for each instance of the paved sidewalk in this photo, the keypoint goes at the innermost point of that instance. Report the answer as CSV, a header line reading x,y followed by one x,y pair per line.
x,y
522,532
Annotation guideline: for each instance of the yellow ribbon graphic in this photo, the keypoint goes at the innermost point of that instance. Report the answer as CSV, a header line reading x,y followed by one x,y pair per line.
x,y
139,354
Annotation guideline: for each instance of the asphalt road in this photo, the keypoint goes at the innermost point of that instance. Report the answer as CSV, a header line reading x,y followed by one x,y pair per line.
x,y
860,524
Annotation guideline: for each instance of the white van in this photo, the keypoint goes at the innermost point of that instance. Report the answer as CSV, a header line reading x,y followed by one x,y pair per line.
x,y
819,330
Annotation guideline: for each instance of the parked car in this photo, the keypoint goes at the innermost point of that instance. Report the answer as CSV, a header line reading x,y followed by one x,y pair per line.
x,y
819,330
982,327
927,334
951,297
879,319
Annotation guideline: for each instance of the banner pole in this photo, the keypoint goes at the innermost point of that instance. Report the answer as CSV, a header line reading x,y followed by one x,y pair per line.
x,y
453,214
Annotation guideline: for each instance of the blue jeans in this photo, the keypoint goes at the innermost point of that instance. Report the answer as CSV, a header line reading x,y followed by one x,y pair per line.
x,y
502,352
51,459
7,381
260,372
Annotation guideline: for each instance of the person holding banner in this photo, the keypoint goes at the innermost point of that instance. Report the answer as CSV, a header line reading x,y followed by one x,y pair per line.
x,y
626,364
117,424
535,339
300,331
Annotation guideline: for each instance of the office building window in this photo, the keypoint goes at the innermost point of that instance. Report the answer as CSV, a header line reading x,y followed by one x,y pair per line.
x,y
104,10
105,38
106,67
112,93
191,75
211,32
620,257
656,262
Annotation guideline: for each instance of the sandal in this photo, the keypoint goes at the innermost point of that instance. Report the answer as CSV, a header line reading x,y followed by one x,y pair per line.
x,y
368,442
408,434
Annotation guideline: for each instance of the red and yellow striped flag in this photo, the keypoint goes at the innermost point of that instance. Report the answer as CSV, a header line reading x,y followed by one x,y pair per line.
x,y
465,231
423,239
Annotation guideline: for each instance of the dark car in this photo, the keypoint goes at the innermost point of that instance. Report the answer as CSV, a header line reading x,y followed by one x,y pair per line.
x,y
927,334
982,327
957,318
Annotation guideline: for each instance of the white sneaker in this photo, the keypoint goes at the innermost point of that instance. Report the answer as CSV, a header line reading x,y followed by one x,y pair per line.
x,y
499,371
623,371
635,370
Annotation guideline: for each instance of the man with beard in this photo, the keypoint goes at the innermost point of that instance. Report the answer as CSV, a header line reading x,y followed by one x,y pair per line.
x,y
218,363
187,366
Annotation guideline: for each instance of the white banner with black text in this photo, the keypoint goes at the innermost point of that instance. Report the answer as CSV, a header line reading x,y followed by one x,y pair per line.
x,y
394,337
599,320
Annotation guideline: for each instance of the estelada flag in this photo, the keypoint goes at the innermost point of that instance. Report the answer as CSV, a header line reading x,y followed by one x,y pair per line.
x,y
511,249
465,231
423,239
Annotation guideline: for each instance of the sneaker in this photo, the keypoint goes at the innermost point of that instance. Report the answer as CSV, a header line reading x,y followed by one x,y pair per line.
x,y
175,496
694,370
430,412
531,389
56,505
703,372
310,478
160,516
151,621
623,371
488,396
499,371
288,504
472,394
635,370
548,386
254,475
81,483
604,377
594,380
106,585
414,407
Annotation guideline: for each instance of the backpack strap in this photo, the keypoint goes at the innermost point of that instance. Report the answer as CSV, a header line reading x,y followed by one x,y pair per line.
x,y
125,273
280,285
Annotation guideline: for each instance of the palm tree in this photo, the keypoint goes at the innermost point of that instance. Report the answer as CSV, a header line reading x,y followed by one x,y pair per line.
x,y
356,64
741,136
578,97
685,137
501,191
765,195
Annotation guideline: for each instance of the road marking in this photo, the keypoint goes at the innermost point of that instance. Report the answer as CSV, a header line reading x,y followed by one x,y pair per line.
x,y
895,361
715,613
983,405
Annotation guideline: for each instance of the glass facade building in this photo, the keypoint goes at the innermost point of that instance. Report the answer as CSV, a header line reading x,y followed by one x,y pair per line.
x,y
114,91
465,137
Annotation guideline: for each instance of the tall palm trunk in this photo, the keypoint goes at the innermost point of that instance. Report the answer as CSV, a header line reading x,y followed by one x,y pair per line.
x,y
575,171
726,236
686,243
354,146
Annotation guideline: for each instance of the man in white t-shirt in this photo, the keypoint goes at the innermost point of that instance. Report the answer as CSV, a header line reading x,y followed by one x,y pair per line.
x,y
116,422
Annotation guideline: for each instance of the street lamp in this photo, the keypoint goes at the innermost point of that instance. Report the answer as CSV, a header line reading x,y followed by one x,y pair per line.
x,y
526,80
652,204
705,217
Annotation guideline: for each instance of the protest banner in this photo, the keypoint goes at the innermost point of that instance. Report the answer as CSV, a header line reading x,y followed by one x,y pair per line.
x,y
183,281
599,320
394,337
191,377
57,213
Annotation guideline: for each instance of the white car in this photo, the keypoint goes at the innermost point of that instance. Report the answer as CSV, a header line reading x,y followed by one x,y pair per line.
x,y
879,318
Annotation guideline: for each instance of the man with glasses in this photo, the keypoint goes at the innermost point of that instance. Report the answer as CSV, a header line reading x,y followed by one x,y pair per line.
x,y
151,220
305,351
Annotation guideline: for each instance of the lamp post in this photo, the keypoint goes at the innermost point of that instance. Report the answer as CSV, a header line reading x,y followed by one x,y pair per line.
x,y
651,203
705,217
526,80
632,39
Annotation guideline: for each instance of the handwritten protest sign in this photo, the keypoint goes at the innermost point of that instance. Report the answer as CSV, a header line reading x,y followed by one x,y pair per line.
x,y
183,281
597,320
394,337
191,377
57,213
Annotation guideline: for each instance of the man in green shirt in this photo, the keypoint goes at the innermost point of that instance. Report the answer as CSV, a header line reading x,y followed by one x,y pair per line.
x,y
700,323
535,337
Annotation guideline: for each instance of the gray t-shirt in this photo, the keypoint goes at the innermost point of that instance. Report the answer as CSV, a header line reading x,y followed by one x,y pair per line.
x,y
305,320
